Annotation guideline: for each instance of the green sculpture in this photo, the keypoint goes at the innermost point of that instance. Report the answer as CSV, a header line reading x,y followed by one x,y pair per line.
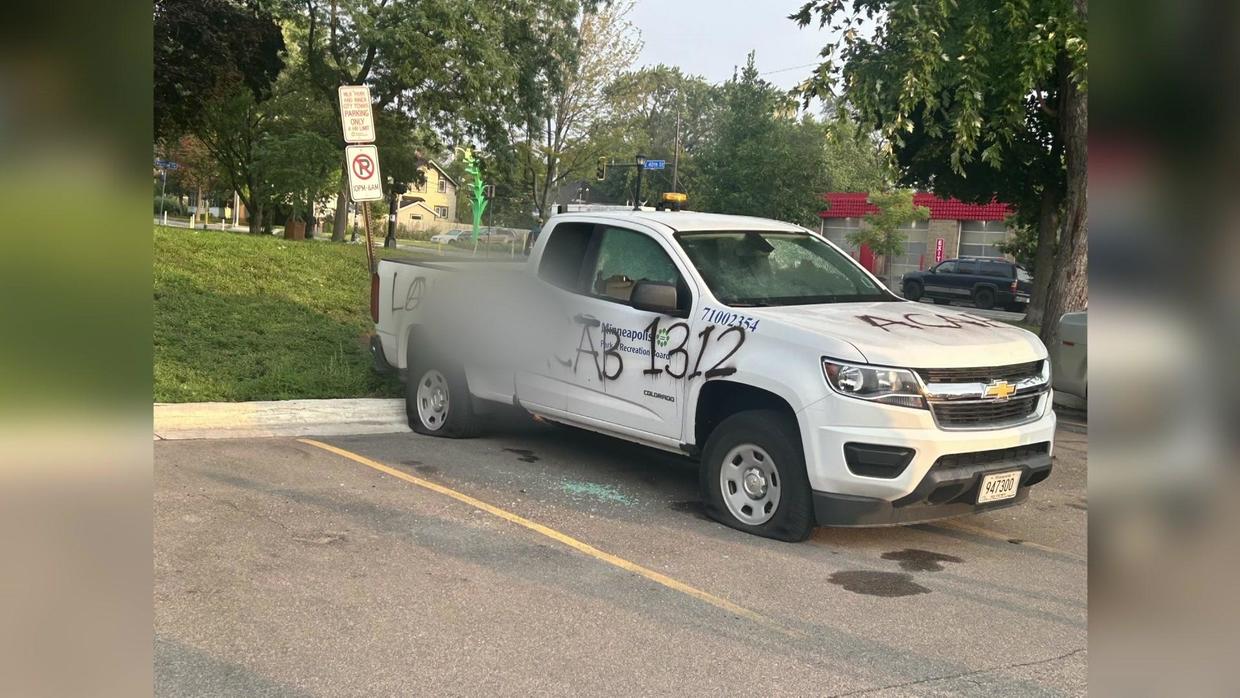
x,y
478,199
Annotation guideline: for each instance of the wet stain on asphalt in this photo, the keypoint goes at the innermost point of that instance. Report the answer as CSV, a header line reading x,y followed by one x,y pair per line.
x,y
526,455
325,538
411,463
690,506
913,560
884,584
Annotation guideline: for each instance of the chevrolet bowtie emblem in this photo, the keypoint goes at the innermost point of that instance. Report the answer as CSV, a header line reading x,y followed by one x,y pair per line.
x,y
1000,390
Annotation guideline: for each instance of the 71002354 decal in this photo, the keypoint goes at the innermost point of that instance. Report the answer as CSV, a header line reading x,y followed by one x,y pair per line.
x,y
730,318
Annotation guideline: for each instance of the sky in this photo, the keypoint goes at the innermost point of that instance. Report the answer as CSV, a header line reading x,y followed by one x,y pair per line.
x,y
711,37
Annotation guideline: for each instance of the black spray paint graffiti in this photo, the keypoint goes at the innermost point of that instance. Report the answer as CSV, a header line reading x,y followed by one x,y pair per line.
x,y
678,356
942,322
413,296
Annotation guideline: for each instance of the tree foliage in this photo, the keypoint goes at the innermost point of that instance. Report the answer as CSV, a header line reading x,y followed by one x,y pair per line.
x,y
202,47
763,160
441,68
644,107
972,99
560,143
896,211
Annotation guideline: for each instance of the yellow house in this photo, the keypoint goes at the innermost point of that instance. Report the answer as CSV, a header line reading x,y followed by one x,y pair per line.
x,y
430,205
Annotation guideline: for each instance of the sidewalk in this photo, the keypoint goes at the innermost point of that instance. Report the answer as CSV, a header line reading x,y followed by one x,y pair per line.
x,y
239,420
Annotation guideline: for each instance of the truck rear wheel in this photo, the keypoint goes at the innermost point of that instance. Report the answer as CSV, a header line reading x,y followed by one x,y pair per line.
x,y
753,476
984,298
437,399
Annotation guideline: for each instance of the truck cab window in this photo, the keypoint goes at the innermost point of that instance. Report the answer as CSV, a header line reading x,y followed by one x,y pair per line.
x,y
564,254
626,257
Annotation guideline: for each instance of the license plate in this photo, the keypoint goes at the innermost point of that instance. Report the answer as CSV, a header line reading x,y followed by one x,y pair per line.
x,y
998,486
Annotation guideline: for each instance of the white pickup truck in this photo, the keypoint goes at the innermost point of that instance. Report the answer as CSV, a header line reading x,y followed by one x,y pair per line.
x,y
809,393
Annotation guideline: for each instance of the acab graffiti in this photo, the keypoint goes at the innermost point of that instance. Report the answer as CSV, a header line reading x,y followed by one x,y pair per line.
x,y
678,358
937,321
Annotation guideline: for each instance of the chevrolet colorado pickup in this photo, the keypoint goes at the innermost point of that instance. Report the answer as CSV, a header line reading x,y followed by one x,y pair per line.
x,y
807,391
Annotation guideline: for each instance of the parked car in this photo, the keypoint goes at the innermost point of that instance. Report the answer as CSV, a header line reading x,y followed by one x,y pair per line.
x,y
1069,355
452,237
984,282
495,236
809,393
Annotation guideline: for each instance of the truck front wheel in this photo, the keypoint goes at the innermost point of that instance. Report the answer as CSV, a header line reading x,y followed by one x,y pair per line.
x,y
437,400
753,476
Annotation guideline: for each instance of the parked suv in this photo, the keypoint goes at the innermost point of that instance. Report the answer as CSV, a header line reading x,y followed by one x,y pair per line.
x,y
985,282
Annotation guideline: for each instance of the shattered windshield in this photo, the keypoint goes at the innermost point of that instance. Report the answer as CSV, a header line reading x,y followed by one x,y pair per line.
x,y
777,268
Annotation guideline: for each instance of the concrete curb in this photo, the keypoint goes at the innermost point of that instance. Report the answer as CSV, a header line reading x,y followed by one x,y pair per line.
x,y
240,420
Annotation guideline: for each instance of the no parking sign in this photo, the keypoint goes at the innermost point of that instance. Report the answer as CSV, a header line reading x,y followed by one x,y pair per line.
x,y
365,183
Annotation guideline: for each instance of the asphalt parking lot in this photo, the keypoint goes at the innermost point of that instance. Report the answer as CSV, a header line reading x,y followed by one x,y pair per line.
x,y
544,560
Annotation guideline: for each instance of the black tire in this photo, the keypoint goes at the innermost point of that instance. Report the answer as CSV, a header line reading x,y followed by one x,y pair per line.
x,y
912,290
984,298
459,420
942,301
775,433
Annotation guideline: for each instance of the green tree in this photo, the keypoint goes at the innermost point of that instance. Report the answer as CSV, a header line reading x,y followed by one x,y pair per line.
x,y
556,145
761,160
201,46
976,99
881,233
646,109
438,68
232,127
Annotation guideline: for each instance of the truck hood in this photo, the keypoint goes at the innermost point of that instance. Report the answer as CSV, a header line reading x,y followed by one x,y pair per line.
x,y
911,334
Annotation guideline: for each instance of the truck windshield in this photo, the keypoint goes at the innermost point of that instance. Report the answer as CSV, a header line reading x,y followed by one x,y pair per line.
x,y
777,268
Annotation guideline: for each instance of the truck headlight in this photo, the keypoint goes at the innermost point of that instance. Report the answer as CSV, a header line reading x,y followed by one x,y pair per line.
x,y
891,386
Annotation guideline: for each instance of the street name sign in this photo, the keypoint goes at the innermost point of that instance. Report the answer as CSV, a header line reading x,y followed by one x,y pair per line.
x,y
656,164
365,183
356,118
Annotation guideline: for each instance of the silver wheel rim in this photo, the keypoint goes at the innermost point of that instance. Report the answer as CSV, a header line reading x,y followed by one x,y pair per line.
x,y
750,484
432,399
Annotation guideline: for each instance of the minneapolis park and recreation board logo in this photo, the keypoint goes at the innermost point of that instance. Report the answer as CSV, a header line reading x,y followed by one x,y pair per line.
x,y
663,337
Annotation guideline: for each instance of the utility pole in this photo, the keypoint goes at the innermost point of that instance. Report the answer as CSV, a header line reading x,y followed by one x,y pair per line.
x,y
395,189
637,192
163,194
676,154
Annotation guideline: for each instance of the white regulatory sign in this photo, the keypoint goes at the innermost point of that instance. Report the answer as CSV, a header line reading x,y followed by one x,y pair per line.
x,y
365,183
356,118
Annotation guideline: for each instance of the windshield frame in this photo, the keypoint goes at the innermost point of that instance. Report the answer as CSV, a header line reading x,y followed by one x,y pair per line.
x,y
884,294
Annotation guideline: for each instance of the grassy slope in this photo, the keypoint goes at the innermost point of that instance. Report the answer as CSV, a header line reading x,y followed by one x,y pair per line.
x,y
240,317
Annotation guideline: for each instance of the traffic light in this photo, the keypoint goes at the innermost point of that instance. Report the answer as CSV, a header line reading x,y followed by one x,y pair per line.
x,y
601,173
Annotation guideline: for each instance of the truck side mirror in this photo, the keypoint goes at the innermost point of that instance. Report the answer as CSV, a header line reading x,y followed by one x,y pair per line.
x,y
655,297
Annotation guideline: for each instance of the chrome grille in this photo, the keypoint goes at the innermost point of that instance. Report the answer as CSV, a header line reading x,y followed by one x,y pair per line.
x,y
964,414
1011,373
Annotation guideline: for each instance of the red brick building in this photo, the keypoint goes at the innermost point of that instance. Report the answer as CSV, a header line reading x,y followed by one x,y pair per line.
x,y
956,228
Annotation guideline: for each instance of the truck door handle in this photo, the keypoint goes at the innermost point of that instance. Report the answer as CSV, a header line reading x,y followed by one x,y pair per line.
x,y
588,320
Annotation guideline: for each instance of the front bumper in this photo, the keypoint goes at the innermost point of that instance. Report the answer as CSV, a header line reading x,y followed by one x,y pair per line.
x,y
938,482
948,489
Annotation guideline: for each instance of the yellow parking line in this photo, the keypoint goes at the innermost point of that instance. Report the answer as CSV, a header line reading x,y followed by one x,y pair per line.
x,y
550,533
